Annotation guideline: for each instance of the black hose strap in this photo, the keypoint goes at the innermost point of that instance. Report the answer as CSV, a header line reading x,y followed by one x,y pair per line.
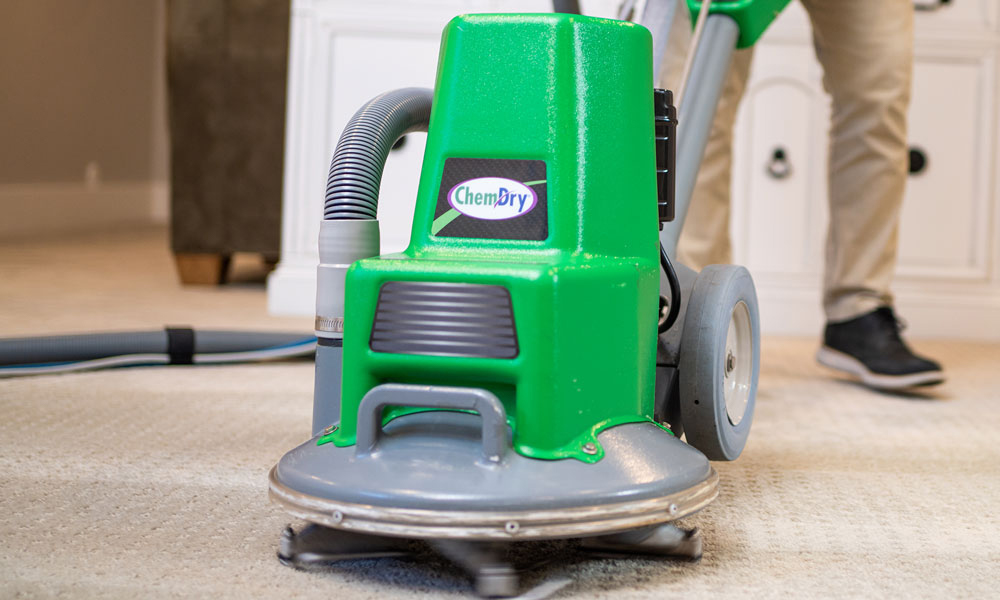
x,y
180,345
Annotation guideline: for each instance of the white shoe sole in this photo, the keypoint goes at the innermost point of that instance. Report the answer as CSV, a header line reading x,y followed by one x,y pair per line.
x,y
845,363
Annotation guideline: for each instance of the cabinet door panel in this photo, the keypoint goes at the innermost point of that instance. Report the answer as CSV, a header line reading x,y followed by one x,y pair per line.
x,y
778,163
947,19
955,16
942,233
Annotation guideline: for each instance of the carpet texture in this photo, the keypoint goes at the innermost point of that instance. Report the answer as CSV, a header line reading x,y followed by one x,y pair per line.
x,y
152,482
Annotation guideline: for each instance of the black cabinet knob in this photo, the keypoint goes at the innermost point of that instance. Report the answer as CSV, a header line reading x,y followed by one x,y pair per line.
x,y
918,160
930,5
779,167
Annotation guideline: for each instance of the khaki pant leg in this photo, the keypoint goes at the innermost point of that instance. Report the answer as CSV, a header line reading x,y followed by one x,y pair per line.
x,y
866,49
705,239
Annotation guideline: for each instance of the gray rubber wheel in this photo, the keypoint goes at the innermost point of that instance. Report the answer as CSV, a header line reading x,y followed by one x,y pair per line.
x,y
720,361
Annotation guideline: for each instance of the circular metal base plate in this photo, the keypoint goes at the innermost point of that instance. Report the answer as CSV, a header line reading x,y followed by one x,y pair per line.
x,y
424,481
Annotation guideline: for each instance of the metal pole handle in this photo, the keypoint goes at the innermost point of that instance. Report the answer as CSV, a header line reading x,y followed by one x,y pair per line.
x,y
479,400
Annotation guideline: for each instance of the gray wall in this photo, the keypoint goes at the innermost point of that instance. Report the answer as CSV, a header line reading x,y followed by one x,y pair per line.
x,y
81,83
78,82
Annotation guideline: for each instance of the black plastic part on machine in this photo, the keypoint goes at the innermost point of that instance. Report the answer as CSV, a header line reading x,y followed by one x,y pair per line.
x,y
666,151
673,306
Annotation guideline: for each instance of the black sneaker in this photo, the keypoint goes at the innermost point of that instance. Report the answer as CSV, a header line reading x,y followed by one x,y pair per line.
x,y
870,348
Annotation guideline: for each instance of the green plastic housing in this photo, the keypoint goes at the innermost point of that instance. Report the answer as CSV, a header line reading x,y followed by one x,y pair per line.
x,y
752,16
576,93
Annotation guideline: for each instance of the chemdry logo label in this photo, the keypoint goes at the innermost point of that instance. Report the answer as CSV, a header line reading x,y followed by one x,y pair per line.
x,y
492,198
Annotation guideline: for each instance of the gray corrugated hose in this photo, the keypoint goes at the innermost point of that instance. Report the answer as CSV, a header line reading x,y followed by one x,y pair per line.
x,y
356,169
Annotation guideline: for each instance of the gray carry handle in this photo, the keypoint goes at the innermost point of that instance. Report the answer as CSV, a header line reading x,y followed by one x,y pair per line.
x,y
479,400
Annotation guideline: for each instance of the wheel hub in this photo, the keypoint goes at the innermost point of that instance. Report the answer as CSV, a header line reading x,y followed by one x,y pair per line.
x,y
738,367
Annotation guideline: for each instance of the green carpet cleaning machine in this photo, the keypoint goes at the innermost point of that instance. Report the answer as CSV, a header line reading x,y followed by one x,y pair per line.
x,y
522,371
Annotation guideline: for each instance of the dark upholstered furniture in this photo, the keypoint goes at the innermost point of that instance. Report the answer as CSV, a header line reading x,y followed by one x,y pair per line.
x,y
226,69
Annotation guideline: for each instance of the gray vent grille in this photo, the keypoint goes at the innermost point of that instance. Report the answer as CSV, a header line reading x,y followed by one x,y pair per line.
x,y
444,319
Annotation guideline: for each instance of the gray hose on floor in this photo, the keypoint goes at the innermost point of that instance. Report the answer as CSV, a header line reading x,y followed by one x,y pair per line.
x,y
64,353
356,169
63,348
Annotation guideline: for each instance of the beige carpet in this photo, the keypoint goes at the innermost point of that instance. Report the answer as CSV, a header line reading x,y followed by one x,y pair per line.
x,y
151,482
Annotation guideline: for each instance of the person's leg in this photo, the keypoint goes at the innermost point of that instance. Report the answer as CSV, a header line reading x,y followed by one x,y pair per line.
x,y
705,239
866,50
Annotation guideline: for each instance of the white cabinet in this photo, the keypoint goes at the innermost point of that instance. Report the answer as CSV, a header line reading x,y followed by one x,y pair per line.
x,y
944,230
345,52
779,161
948,274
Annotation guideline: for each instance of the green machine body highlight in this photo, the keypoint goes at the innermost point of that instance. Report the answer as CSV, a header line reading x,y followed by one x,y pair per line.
x,y
575,111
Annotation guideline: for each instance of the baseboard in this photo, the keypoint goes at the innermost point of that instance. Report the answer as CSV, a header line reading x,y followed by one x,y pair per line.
x,y
928,312
291,289
39,209
785,308
942,315
159,202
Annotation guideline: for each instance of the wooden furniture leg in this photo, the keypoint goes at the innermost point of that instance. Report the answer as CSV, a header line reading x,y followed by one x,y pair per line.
x,y
196,268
